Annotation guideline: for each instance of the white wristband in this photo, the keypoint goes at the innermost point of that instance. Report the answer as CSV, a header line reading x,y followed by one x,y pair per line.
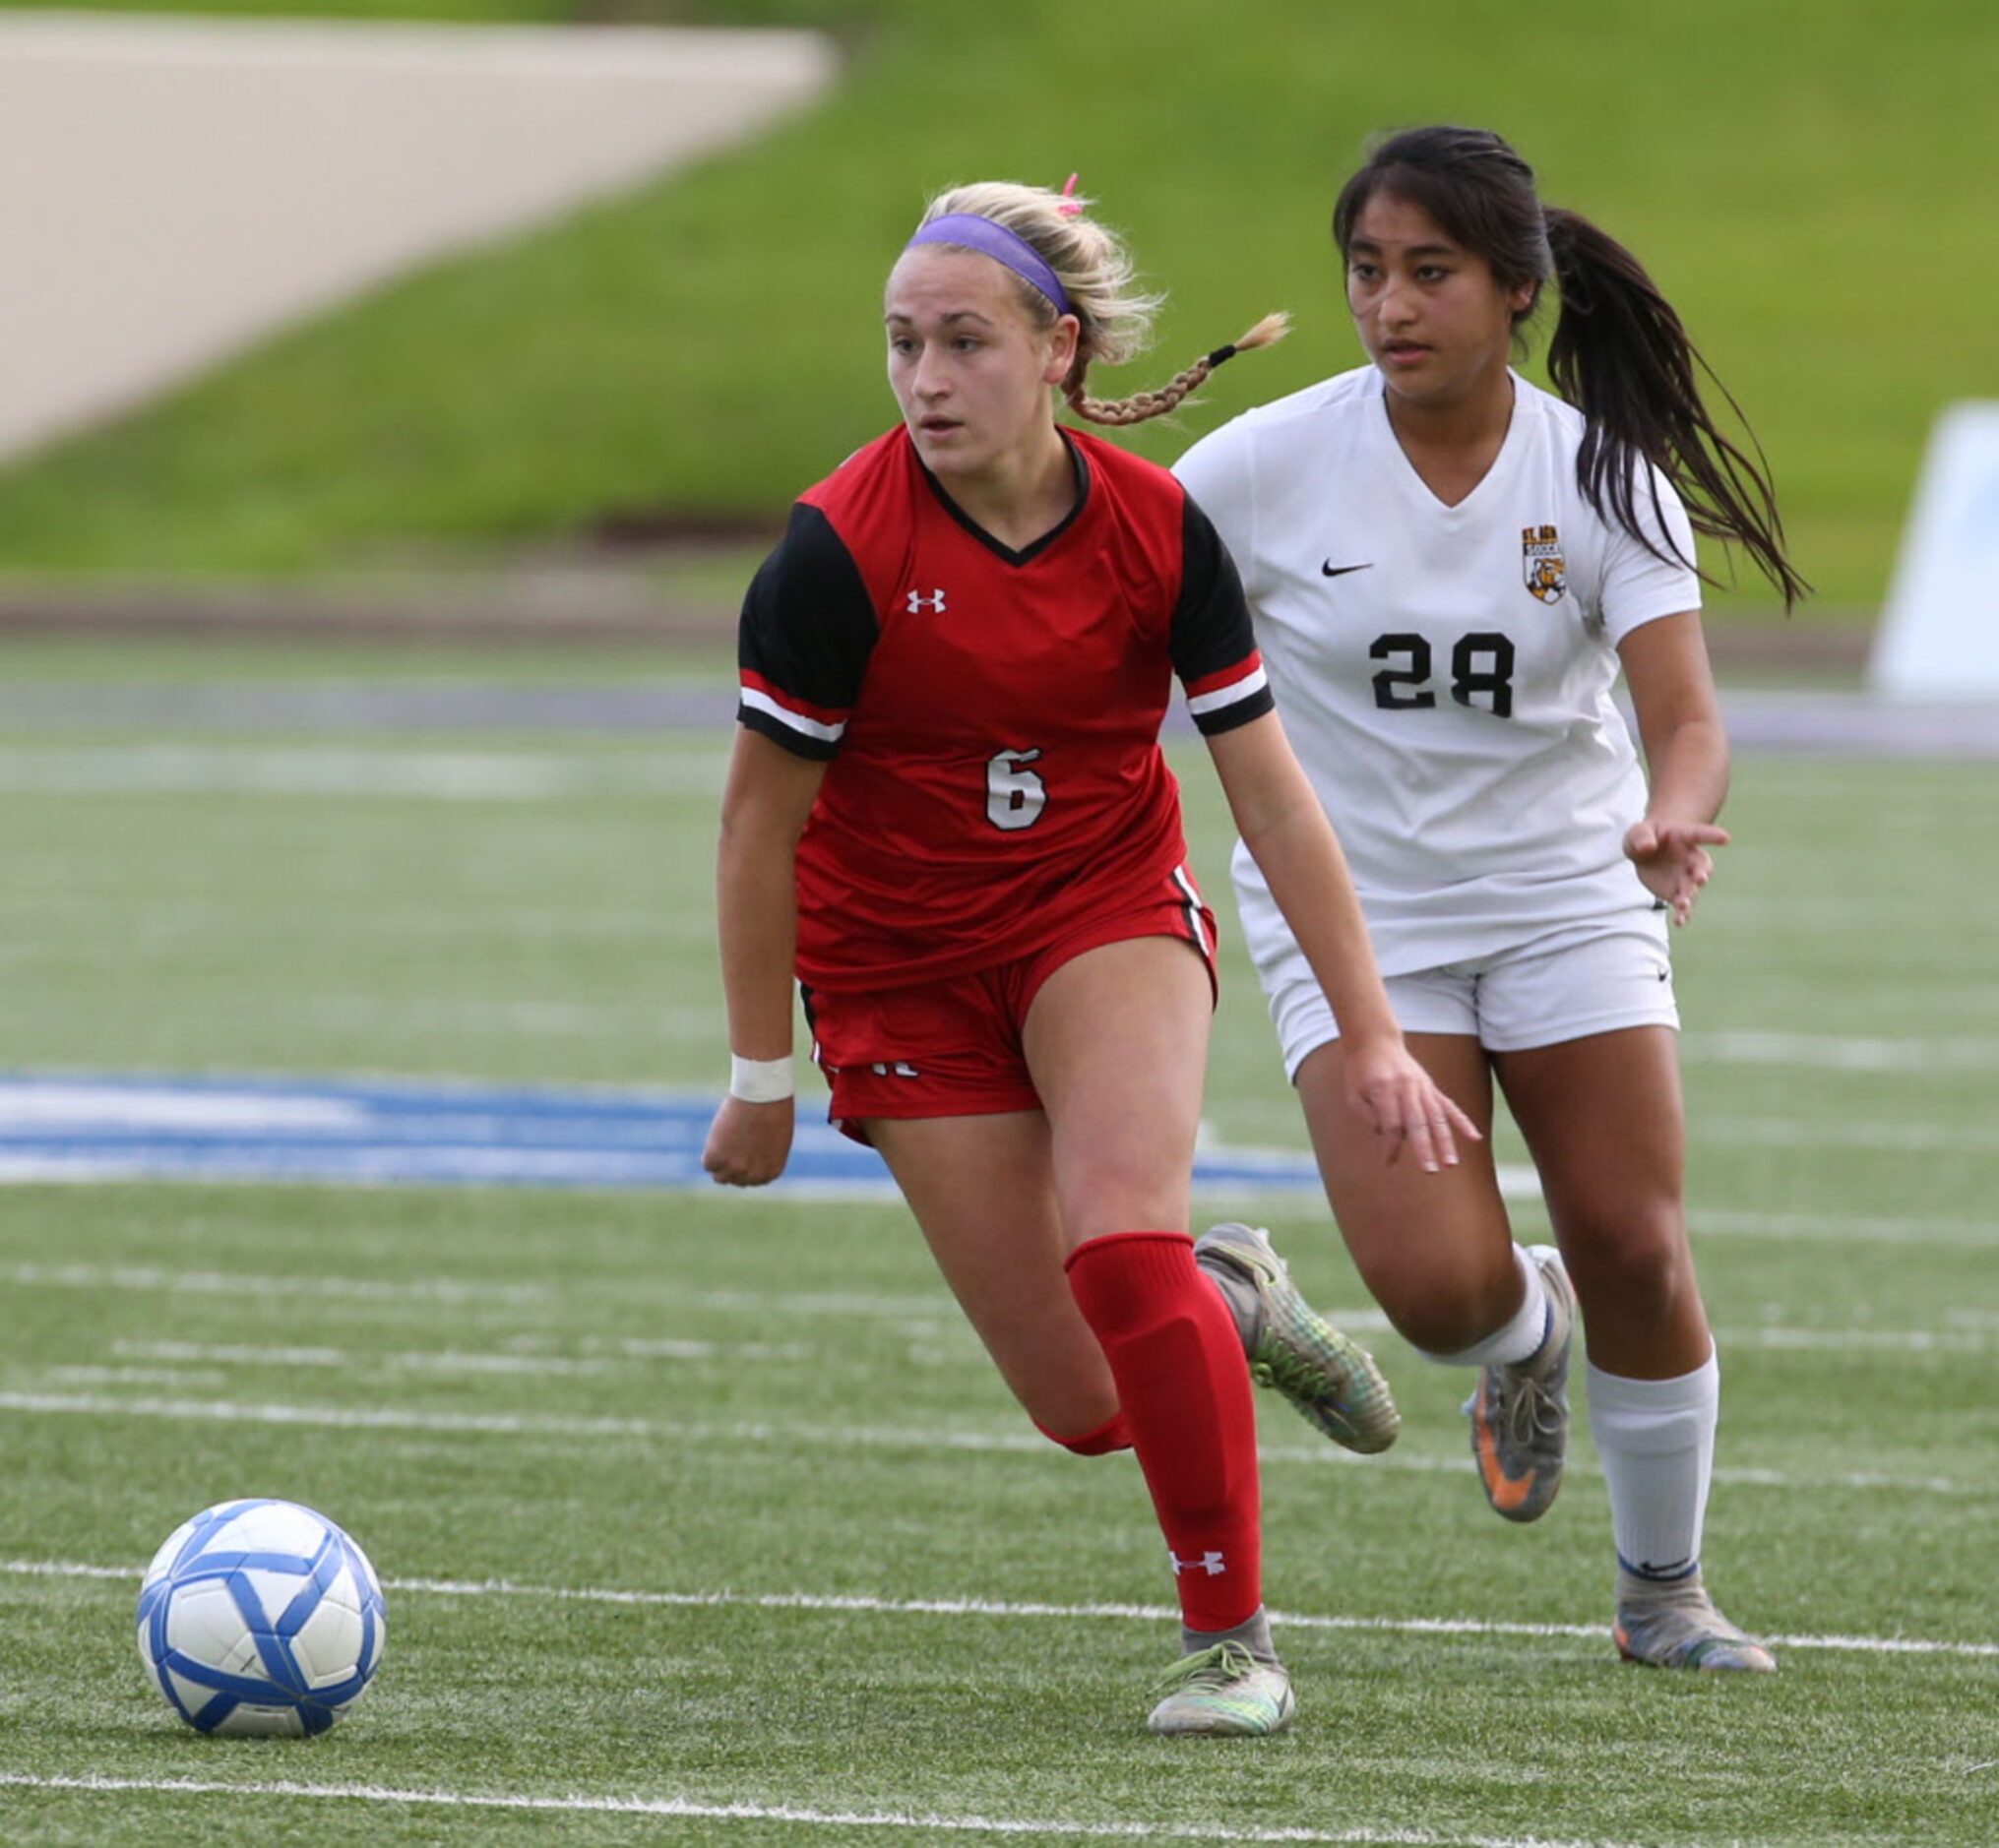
x,y
759,1080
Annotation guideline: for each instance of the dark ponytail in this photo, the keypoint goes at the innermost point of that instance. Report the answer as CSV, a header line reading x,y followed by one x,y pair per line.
x,y
1621,356
1619,352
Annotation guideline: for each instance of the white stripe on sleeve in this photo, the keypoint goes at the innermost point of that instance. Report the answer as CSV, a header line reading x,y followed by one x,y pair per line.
x,y
811,727
1236,690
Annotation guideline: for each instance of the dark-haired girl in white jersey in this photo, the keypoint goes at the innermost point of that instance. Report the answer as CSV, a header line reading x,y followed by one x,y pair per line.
x,y
1448,567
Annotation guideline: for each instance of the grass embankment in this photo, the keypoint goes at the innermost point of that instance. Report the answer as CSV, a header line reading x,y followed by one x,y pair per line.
x,y
703,348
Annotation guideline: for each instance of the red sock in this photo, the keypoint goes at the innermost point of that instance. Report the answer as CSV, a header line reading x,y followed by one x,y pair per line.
x,y
1177,1360
1112,1435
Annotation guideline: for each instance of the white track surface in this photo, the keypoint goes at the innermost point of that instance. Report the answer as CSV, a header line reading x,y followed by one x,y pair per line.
x,y
172,188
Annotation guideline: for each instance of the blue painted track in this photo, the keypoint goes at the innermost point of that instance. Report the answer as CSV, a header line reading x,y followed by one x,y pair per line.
x,y
87,1126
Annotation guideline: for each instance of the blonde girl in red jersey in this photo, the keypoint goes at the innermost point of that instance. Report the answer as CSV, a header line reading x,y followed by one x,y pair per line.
x,y
948,815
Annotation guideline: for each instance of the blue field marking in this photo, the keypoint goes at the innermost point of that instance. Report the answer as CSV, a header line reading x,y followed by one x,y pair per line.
x,y
89,1127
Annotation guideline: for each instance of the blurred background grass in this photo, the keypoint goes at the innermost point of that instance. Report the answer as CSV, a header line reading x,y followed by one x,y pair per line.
x,y
1808,179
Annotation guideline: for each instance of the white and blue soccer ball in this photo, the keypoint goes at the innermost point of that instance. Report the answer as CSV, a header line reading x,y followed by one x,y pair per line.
x,y
261,1618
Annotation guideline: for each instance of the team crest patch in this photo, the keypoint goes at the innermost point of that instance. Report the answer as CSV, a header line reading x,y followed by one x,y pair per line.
x,y
1541,563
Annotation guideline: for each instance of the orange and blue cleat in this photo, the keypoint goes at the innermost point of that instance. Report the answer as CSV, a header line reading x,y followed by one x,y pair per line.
x,y
1520,1413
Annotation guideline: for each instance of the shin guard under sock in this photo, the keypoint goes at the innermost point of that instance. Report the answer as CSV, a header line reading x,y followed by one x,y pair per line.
x,y
1184,1388
1656,1440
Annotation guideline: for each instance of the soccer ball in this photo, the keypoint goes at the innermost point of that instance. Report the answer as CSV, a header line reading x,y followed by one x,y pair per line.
x,y
261,1618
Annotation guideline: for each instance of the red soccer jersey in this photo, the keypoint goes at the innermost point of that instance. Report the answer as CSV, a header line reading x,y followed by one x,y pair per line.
x,y
992,717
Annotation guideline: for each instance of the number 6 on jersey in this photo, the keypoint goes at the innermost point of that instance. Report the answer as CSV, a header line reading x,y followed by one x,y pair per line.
x,y
1014,797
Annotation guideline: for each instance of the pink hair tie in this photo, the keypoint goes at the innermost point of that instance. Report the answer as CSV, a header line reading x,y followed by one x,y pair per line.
x,y
1071,207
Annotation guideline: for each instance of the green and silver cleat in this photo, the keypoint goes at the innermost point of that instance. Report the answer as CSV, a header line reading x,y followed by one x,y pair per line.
x,y
1224,1692
1329,1376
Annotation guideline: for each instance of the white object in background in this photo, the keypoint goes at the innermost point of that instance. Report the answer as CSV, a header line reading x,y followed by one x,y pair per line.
x,y
1939,636
172,188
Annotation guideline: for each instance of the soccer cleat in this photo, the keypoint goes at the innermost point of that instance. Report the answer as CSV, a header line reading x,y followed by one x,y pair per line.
x,y
1224,1692
1520,1413
1330,1378
1677,1626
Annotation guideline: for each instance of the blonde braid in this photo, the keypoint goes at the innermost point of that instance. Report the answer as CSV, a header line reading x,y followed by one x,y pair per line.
x,y
1170,395
1097,273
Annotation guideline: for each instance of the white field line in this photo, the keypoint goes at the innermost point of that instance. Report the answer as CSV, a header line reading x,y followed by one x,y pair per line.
x,y
479,1163
1829,1052
406,775
1013,1608
1889,1138
189,920
57,1105
46,911
457,1360
1967,1337
920,1314
487,1157
1844,1229
1801,1226
1781,1337
553,1019
832,1438
177,1378
148,1278
1808,915
1392,1835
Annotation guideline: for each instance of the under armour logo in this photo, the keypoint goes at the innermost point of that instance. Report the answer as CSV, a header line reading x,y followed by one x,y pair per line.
x,y
934,603
1208,1563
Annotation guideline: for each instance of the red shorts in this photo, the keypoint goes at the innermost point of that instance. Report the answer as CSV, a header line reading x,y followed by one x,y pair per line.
x,y
953,1048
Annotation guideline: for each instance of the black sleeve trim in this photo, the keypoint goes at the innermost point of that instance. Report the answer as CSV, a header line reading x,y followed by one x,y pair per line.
x,y
1212,627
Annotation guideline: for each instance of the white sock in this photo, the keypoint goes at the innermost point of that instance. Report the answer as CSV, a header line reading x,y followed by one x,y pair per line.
x,y
1655,1439
1520,1337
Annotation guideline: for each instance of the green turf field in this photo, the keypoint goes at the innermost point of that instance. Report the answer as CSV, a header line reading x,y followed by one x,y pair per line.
x,y
702,350
685,1501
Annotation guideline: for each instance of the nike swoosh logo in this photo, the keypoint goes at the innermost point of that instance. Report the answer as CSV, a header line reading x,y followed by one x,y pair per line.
x,y
1331,569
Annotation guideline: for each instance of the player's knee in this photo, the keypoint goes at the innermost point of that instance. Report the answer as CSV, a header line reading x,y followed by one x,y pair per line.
x,y
1069,1401
1633,1258
1111,1202
1441,1314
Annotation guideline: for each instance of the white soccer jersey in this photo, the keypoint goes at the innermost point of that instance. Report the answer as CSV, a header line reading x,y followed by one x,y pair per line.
x,y
1444,673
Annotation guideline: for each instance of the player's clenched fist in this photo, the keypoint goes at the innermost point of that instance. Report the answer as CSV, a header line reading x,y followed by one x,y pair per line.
x,y
748,1145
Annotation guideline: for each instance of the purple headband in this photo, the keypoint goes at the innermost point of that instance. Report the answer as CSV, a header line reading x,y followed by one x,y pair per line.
x,y
992,239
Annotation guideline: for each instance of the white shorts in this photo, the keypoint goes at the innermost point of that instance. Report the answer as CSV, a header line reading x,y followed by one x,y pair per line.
x,y
1582,979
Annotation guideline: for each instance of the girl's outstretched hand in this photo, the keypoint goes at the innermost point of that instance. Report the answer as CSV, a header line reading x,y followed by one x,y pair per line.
x,y
1673,861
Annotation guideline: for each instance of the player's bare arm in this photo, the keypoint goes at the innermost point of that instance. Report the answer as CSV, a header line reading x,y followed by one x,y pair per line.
x,y
1286,829
1686,751
768,796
